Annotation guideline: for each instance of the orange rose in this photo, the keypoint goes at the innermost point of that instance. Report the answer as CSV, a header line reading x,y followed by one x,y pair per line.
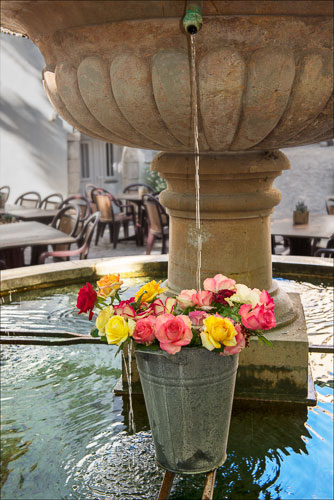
x,y
108,285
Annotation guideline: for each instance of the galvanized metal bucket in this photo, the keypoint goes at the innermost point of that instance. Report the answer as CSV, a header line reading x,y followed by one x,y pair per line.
x,y
189,398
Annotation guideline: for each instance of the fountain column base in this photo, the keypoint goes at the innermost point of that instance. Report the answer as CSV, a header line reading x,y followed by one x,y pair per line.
x,y
236,200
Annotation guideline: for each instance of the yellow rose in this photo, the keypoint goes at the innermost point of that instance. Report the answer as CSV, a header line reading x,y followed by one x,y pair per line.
x,y
150,291
108,285
218,331
119,329
102,319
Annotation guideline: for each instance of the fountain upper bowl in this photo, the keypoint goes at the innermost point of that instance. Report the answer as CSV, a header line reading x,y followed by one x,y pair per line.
x,y
121,73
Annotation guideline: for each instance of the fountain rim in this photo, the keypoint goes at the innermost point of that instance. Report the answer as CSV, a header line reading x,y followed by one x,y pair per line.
x,y
19,280
15,23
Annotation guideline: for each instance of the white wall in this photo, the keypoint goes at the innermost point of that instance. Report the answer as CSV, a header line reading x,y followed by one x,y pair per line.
x,y
33,140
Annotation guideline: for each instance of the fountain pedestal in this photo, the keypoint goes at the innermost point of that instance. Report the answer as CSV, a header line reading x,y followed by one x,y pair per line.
x,y
236,200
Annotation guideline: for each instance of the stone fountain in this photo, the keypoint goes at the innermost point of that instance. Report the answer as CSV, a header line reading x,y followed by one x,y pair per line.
x,y
119,71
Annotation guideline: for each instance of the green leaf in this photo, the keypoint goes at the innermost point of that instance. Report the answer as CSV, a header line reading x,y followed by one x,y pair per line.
x,y
136,305
94,332
120,347
264,340
104,339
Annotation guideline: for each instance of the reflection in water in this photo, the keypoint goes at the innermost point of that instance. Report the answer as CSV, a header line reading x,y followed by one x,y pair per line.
x,y
64,435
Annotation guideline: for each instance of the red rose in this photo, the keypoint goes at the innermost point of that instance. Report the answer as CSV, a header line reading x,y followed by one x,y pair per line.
x,y
86,299
220,296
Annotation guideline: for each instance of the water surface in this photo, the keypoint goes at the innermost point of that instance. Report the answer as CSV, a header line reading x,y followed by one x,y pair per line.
x,y
64,435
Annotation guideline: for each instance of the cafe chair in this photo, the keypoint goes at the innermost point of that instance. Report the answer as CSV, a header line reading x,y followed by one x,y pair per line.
x,y
131,188
84,205
88,191
158,223
324,252
123,206
4,192
330,205
83,241
51,202
328,251
30,199
107,205
66,220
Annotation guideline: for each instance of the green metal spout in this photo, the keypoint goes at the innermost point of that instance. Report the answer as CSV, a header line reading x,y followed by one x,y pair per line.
x,y
192,21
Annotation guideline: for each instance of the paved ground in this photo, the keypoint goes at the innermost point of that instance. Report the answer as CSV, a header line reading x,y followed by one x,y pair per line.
x,y
105,248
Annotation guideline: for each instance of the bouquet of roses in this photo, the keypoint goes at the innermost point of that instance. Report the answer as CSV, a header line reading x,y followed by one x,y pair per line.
x,y
220,318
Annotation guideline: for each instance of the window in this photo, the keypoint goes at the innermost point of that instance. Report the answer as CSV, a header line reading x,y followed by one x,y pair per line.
x,y
110,160
85,174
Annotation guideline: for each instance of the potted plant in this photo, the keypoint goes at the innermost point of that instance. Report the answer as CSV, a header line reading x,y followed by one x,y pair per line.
x,y
300,214
187,355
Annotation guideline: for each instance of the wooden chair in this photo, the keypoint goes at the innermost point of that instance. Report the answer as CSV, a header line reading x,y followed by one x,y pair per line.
x,y
66,220
4,192
328,251
31,199
105,204
136,187
158,223
51,202
330,205
84,205
83,241
88,191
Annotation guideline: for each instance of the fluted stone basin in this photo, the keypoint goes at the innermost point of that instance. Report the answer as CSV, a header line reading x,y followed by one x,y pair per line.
x,y
120,71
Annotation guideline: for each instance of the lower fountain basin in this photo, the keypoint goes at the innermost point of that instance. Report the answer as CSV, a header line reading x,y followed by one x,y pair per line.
x,y
62,423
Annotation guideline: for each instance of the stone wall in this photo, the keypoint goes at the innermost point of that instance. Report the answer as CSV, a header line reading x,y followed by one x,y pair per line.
x,y
33,138
311,179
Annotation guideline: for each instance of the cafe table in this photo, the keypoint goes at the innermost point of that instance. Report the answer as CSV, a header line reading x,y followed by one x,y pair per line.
x,y
300,236
16,236
29,214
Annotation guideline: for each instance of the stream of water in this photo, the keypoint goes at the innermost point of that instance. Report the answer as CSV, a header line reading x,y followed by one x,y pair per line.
x,y
194,107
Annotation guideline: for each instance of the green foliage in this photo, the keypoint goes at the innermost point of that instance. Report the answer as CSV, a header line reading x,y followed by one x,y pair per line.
x,y
301,207
153,179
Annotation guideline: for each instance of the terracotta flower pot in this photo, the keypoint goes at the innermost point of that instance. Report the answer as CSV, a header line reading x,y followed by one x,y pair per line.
x,y
188,398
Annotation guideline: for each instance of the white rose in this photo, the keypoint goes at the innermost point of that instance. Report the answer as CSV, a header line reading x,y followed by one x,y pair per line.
x,y
245,295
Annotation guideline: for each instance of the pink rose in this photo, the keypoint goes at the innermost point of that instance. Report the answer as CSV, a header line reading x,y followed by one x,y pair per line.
x,y
173,332
241,343
219,282
266,300
159,307
197,317
144,311
203,298
258,318
185,298
144,332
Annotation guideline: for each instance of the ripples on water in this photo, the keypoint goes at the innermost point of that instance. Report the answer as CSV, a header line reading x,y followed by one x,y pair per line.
x,y
64,435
